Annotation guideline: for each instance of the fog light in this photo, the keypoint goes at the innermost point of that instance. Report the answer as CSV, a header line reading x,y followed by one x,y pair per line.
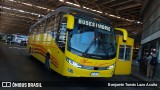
x,y
70,70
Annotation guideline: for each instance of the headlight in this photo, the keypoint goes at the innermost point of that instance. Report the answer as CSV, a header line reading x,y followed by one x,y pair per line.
x,y
110,67
73,63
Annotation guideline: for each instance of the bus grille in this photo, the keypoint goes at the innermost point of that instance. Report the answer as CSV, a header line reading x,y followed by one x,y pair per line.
x,y
95,68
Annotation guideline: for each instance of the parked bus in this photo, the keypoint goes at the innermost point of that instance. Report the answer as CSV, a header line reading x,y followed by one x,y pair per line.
x,y
20,39
75,43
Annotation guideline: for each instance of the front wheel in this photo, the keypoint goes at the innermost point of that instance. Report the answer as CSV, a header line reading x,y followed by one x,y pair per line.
x,y
47,62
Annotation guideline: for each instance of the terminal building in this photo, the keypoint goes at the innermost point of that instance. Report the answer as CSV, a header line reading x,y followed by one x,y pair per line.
x,y
151,30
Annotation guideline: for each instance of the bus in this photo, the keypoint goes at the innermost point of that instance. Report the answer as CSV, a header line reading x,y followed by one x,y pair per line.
x,y
20,39
75,43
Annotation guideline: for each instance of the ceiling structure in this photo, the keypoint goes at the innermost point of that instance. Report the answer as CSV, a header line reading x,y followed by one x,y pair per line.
x,y
16,16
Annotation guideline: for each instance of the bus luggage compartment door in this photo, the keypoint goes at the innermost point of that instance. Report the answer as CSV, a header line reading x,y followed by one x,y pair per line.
x,y
124,56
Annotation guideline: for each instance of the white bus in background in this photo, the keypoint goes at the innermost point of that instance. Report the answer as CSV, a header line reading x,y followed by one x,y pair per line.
x,y
20,39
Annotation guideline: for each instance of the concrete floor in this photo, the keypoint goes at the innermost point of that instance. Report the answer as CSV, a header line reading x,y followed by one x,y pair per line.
x,y
16,65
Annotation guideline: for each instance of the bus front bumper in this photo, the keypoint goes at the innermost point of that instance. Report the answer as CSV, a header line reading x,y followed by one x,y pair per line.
x,y
71,71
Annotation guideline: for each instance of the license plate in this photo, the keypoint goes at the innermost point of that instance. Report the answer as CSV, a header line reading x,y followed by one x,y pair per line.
x,y
94,74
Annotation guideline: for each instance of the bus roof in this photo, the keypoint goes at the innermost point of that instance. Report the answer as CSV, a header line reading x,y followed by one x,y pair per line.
x,y
79,12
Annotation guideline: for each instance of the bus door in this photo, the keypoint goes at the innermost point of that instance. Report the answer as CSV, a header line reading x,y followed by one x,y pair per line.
x,y
124,56
61,39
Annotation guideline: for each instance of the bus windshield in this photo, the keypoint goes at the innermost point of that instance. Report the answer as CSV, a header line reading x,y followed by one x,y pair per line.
x,y
92,39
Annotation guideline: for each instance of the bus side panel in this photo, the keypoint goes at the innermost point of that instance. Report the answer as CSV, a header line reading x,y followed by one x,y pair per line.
x,y
39,57
58,64
42,44
37,50
55,53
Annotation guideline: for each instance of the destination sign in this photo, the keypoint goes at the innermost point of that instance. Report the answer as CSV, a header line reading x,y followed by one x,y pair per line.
x,y
94,24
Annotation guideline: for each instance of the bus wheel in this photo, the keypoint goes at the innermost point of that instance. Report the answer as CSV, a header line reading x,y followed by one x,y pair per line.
x,y
47,62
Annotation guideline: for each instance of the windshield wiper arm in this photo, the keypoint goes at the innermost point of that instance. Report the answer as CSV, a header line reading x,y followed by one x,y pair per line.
x,y
88,48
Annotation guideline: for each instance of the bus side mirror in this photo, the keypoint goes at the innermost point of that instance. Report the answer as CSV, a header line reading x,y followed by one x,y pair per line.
x,y
125,33
70,21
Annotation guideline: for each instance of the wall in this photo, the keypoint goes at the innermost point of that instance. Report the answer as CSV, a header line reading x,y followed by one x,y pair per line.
x,y
151,24
151,29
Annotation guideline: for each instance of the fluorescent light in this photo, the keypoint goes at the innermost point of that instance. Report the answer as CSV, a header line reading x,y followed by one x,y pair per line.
x,y
21,11
29,4
61,0
73,4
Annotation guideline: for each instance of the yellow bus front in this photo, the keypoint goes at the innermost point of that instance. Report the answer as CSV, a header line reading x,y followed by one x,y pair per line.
x,y
90,49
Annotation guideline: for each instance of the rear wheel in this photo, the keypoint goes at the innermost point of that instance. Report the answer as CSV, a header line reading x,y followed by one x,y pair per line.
x,y
47,62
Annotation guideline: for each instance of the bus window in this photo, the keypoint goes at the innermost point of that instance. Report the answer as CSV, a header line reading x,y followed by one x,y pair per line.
x,y
128,52
41,28
61,40
91,42
53,25
124,52
121,52
34,31
30,31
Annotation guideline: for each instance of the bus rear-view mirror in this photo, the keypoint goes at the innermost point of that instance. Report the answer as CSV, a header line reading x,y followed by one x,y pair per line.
x,y
70,21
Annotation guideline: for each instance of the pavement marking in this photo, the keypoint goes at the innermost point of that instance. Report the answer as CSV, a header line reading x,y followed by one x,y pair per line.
x,y
13,47
23,48
17,47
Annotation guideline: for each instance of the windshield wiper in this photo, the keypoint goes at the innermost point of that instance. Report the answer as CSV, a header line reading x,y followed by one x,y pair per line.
x,y
88,48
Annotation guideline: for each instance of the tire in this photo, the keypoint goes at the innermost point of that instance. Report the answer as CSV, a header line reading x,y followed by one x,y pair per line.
x,y
47,62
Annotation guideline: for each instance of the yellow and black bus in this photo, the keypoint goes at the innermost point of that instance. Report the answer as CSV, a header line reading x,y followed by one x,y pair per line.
x,y
75,43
